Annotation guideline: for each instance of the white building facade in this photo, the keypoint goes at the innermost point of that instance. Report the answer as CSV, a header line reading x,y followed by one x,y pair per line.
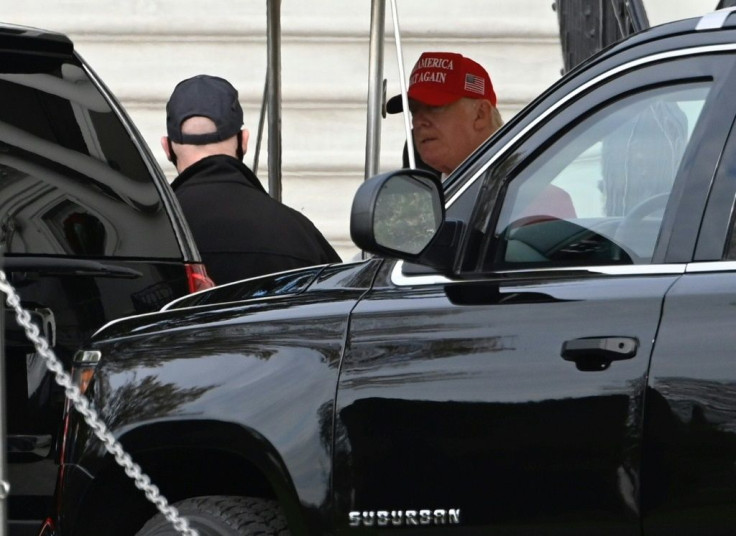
x,y
142,48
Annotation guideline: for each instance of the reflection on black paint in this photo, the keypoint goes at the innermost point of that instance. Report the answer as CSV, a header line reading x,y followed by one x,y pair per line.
x,y
144,400
85,234
390,353
419,454
690,476
491,294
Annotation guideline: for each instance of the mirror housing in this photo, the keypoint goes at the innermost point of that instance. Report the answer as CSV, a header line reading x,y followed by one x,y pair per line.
x,y
401,214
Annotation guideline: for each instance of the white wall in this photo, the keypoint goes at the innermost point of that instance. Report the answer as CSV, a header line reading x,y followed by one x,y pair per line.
x,y
660,11
142,48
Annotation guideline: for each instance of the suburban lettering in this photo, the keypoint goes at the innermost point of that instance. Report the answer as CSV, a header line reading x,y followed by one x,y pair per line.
x,y
369,519
399,518
354,519
454,516
382,517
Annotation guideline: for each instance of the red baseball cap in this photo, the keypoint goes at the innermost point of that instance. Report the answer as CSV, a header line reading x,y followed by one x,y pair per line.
x,y
439,78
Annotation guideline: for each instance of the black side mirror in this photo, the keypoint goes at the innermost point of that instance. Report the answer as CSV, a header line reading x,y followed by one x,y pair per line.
x,y
401,214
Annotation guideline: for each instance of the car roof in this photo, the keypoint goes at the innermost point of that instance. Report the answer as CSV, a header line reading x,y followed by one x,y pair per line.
x,y
14,37
709,28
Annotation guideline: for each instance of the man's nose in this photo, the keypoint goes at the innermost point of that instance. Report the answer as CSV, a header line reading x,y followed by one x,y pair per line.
x,y
419,118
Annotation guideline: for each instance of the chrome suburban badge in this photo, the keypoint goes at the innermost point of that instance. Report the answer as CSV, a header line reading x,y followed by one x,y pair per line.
x,y
403,518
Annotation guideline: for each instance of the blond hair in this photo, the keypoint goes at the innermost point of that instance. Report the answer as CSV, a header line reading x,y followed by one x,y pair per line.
x,y
496,119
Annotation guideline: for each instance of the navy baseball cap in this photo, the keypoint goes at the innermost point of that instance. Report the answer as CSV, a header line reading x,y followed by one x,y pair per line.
x,y
207,96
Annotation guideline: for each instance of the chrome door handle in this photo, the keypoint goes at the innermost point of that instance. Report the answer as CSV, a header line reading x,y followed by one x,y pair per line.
x,y
597,353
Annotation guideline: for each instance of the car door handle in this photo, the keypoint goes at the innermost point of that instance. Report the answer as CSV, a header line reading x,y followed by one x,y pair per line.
x,y
597,353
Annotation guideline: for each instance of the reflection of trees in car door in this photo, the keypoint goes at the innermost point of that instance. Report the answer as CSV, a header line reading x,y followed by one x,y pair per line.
x,y
642,158
458,396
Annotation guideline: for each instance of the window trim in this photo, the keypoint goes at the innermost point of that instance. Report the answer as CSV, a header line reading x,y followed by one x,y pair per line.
x,y
710,267
400,279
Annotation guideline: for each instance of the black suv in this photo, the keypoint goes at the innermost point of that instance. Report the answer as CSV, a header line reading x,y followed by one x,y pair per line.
x,y
546,346
90,232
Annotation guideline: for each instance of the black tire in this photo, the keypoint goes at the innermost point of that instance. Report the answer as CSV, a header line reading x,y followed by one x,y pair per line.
x,y
223,516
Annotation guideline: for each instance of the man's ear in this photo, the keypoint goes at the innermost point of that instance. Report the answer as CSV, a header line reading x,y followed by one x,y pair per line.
x,y
165,147
483,115
244,140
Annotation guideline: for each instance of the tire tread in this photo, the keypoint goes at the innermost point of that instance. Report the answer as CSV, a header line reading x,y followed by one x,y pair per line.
x,y
224,515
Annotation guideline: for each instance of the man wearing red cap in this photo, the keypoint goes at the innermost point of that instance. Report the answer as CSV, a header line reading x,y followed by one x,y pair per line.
x,y
453,107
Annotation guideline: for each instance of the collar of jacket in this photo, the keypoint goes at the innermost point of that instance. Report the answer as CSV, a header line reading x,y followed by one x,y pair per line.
x,y
218,166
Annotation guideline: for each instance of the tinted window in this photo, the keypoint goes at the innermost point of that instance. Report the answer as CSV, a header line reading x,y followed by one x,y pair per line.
x,y
597,195
72,181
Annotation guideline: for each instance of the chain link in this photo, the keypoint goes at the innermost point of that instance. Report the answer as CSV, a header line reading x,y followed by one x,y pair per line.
x,y
82,405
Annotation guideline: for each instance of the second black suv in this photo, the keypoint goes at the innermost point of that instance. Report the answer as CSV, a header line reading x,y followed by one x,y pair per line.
x,y
90,232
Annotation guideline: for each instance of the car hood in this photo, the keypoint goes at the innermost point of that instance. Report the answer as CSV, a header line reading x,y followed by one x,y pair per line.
x,y
281,290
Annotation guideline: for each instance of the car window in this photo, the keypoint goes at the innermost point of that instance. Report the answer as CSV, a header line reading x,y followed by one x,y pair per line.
x,y
597,194
72,180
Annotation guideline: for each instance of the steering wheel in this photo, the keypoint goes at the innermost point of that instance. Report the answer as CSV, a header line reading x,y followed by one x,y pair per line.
x,y
633,235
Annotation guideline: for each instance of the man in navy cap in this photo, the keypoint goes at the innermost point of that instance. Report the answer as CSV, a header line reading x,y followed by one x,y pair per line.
x,y
239,229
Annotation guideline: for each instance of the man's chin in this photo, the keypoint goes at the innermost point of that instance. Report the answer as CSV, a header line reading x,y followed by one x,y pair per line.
x,y
427,158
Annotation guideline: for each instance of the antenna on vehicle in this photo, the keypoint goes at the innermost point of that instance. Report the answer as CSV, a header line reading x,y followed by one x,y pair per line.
x,y
402,82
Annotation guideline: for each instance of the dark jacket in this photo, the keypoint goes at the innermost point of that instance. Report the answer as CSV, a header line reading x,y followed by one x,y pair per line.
x,y
239,229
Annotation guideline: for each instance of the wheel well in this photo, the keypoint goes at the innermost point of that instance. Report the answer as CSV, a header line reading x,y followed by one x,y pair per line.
x,y
114,506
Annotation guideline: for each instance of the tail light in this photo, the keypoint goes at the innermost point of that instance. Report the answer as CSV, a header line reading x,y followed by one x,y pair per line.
x,y
83,370
47,529
85,362
198,278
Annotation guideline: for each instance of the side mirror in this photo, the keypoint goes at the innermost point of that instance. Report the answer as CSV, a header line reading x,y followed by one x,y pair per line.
x,y
401,214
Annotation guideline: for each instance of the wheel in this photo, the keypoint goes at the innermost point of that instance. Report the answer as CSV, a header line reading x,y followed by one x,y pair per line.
x,y
223,516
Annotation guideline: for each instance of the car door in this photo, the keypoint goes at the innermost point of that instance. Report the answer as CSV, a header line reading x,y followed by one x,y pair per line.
x,y
511,399
689,483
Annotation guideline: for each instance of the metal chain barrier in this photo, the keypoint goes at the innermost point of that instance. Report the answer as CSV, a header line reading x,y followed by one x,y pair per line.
x,y
82,405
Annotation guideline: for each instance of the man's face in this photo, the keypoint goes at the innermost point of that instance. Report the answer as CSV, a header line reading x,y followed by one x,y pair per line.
x,y
445,135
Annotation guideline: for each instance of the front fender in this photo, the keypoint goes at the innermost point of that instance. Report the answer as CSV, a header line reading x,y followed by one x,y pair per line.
x,y
255,388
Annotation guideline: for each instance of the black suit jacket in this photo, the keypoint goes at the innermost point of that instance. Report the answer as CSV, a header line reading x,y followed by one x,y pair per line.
x,y
239,229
